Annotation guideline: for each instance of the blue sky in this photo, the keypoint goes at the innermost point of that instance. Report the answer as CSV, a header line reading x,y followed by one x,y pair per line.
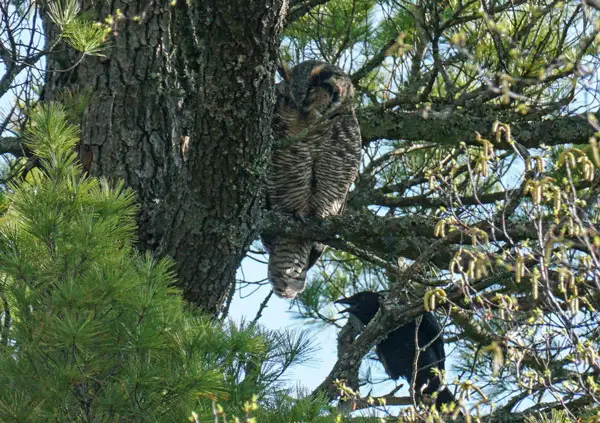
x,y
277,315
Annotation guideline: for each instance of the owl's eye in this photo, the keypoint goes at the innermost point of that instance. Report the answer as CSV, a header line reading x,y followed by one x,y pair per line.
x,y
321,78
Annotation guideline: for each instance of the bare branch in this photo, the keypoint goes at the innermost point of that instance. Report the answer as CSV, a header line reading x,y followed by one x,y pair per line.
x,y
300,9
374,62
384,237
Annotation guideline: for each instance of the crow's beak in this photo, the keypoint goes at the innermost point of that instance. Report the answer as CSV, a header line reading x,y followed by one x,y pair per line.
x,y
349,302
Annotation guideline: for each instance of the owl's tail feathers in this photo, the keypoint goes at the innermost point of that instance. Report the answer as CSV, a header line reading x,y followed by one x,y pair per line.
x,y
288,264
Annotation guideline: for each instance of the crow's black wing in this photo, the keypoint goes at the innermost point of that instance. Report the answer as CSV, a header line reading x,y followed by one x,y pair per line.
x,y
426,379
445,397
397,352
430,330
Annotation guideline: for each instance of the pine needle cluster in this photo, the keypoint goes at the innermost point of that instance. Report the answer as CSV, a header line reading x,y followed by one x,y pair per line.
x,y
92,330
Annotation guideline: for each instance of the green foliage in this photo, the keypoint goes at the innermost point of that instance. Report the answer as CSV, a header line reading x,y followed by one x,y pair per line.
x,y
304,409
85,36
555,416
95,330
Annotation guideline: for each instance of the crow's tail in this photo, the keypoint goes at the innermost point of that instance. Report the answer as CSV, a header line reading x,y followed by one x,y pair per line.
x,y
445,397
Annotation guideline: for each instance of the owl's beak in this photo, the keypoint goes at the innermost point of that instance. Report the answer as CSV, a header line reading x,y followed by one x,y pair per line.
x,y
323,97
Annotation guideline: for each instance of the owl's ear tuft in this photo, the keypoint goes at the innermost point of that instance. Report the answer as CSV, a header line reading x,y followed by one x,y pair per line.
x,y
316,71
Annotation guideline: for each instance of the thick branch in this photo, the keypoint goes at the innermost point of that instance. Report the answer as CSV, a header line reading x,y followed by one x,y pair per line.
x,y
432,202
11,145
302,9
388,237
452,127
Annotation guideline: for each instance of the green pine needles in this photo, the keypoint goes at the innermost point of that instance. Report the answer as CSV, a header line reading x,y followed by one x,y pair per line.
x,y
91,330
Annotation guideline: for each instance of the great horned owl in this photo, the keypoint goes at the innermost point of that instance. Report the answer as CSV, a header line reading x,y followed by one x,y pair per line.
x,y
315,159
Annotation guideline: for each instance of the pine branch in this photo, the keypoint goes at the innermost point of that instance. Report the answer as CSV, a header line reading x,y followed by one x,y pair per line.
x,y
374,62
11,145
452,127
302,9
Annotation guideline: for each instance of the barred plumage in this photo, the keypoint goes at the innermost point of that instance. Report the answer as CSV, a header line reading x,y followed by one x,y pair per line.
x,y
315,159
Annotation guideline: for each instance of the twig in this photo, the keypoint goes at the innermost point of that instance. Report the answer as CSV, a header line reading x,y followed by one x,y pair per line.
x,y
262,307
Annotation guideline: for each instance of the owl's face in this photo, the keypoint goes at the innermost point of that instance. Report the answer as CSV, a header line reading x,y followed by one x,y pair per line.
x,y
314,88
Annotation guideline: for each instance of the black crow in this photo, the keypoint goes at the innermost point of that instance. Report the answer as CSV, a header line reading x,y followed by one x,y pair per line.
x,y
397,351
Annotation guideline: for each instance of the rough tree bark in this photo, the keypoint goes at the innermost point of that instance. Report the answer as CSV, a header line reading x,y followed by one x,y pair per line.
x,y
180,109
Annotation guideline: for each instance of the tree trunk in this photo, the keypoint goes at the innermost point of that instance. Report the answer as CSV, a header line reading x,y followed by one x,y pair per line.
x,y
180,109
